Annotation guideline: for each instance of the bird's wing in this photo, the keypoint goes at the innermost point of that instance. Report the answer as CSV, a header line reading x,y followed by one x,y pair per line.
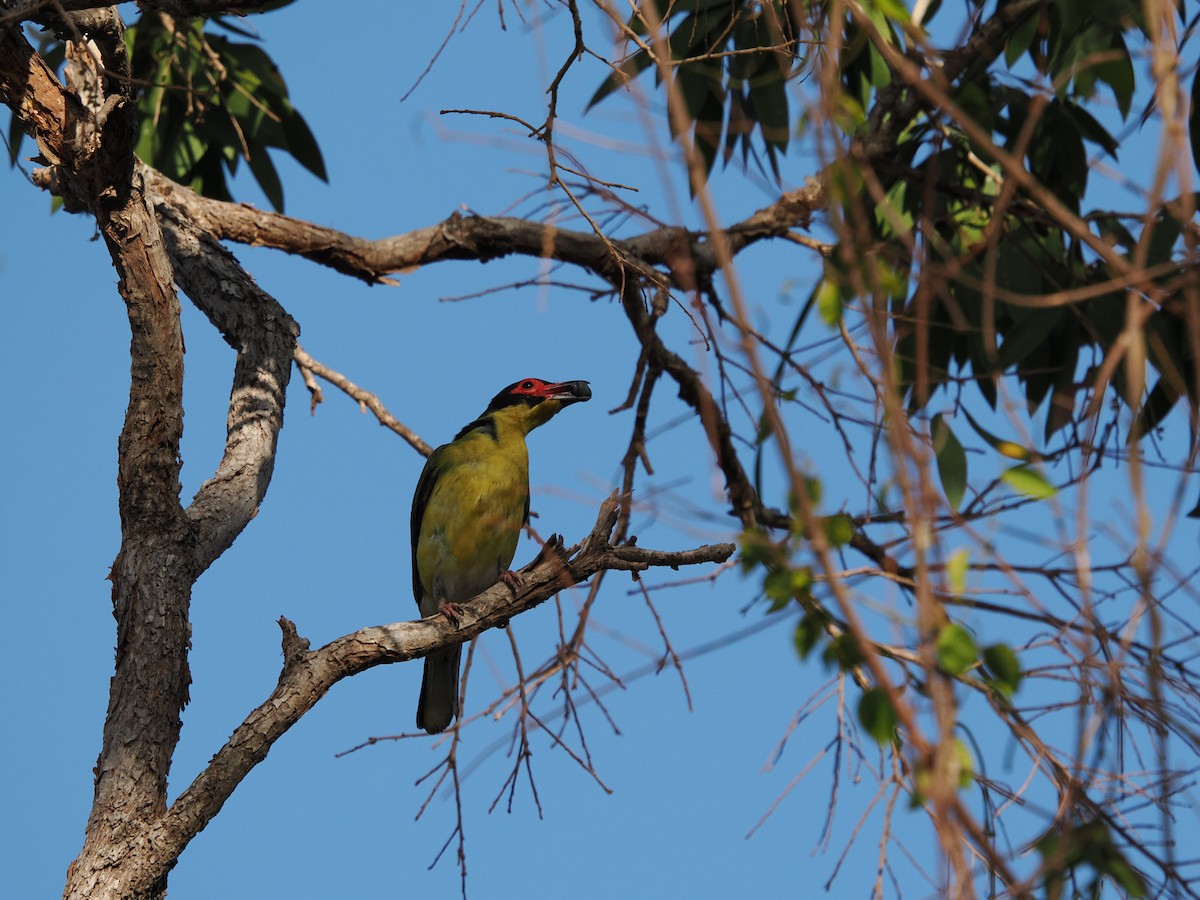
x,y
429,477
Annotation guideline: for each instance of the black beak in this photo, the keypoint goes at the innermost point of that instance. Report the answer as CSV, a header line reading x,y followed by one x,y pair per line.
x,y
566,392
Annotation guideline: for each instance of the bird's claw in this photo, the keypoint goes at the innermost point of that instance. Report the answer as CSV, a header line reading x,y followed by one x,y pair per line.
x,y
452,611
511,579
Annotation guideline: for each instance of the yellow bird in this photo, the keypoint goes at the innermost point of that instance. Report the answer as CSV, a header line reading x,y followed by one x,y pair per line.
x,y
471,501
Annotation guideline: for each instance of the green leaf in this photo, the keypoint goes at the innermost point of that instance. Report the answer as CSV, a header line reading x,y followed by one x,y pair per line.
x,y
975,102
253,67
1029,482
302,145
1029,333
1057,155
747,50
877,716
1126,877
1118,74
266,176
783,585
881,73
839,529
1021,38
1021,261
187,151
829,303
764,430
235,106
709,117
894,216
1069,847
1001,663
843,651
769,94
1164,234
626,72
951,461
812,494
956,651
957,567
965,761
639,22
1091,129
892,9
757,549
809,630
16,134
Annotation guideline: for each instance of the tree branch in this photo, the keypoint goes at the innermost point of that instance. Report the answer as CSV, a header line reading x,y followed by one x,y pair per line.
x,y
364,398
264,335
743,499
480,238
34,94
308,674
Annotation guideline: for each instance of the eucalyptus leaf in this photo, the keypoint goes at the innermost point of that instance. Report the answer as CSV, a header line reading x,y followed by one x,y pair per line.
x,y
951,461
955,649
877,716
1030,482
1002,665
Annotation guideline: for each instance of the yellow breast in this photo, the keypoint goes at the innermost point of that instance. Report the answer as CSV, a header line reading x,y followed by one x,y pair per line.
x,y
472,521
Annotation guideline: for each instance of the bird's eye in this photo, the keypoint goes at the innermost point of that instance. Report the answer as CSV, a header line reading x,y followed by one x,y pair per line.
x,y
527,385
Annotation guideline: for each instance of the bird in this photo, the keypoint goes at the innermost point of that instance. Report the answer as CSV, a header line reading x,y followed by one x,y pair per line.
x,y
470,504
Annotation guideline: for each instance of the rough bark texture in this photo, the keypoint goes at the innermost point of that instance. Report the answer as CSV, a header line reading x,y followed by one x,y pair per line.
x,y
483,238
264,336
92,140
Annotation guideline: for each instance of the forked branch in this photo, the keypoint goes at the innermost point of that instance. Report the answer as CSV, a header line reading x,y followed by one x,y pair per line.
x,y
308,674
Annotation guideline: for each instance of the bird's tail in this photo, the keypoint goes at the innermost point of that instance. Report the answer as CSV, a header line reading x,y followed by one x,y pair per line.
x,y
438,705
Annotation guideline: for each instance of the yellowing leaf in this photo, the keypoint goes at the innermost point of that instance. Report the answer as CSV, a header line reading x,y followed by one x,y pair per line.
x,y
1012,451
956,571
1029,482
829,303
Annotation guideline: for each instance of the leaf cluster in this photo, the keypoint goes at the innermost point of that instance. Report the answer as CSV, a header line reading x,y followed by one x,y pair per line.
x,y
209,103
206,104
729,66
1068,854
1006,291
980,280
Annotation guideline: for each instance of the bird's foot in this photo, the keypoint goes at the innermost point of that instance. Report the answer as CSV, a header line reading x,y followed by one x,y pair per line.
x,y
511,579
452,611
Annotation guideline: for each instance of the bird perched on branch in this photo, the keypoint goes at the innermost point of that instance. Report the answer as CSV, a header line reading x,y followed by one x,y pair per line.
x,y
471,501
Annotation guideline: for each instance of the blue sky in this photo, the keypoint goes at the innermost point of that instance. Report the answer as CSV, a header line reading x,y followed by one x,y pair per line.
x,y
329,548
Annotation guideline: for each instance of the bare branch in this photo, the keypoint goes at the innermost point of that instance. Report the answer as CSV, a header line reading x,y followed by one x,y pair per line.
x,y
363,397
264,335
476,238
308,675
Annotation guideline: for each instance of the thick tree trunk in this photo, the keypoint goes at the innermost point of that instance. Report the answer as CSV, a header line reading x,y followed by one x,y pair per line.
x,y
152,576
